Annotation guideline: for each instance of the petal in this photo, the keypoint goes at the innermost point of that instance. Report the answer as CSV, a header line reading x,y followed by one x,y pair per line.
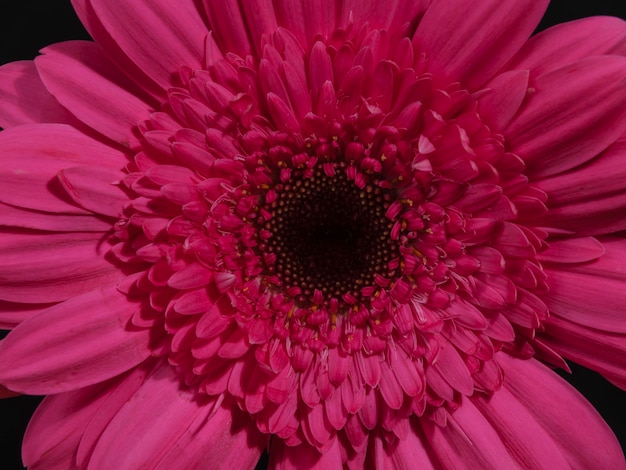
x,y
284,457
173,35
573,114
589,199
506,93
306,18
25,99
32,155
77,343
95,189
78,74
572,250
11,216
404,455
51,267
583,437
569,42
227,435
12,314
57,426
467,441
469,42
228,24
389,15
596,301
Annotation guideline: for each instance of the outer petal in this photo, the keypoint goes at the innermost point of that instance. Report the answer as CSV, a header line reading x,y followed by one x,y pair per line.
x,y
137,437
569,42
84,81
589,199
389,15
51,267
165,38
12,314
583,437
469,41
25,99
574,113
12,216
31,156
57,427
284,457
80,342
407,452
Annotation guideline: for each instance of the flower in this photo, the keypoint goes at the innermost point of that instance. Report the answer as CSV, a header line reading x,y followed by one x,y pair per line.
x,y
349,235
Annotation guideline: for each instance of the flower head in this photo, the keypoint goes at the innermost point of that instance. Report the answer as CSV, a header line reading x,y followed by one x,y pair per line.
x,y
348,233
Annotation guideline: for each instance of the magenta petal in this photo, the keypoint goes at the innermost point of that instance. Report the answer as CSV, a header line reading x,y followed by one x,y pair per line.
x,y
78,74
596,301
469,41
57,427
25,99
504,97
597,204
11,216
140,437
50,267
95,189
12,314
174,35
284,457
468,441
77,343
226,435
573,114
568,42
585,440
413,448
572,250
385,15
32,155
598,350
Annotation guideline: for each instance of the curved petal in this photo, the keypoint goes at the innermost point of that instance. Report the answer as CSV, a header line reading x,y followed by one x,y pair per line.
x,y
51,267
95,189
11,216
32,155
12,314
82,79
589,199
284,457
166,38
598,350
77,343
573,114
25,100
569,42
469,41
306,18
406,452
138,437
390,15
58,425
506,94
583,437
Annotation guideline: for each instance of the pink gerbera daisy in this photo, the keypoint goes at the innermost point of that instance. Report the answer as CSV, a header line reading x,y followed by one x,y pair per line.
x,y
345,232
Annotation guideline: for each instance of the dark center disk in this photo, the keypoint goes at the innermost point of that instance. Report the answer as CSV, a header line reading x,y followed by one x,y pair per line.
x,y
330,235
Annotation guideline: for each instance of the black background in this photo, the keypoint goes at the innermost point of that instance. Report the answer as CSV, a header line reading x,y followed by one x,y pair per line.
x,y
29,25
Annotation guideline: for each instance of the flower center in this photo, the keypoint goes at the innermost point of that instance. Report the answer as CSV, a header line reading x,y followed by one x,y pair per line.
x,y
328,235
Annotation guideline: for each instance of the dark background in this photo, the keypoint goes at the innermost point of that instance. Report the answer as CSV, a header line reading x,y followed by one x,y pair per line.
x,y
29,25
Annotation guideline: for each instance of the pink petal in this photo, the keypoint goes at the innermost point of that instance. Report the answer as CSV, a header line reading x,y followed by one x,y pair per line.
x,y
505,96
284,457
589,199
468,441
12,216
32,155
601,351
228,25
573,114
74,344
389,15
406,453
469,42
78,74
25,99
572,250
12,314
50,267
57,427
596,301
306,18
95,189
85,12
175,35
585,440
568,42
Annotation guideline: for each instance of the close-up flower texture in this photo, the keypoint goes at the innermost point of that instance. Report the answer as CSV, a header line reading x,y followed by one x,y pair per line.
x,y
339,234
